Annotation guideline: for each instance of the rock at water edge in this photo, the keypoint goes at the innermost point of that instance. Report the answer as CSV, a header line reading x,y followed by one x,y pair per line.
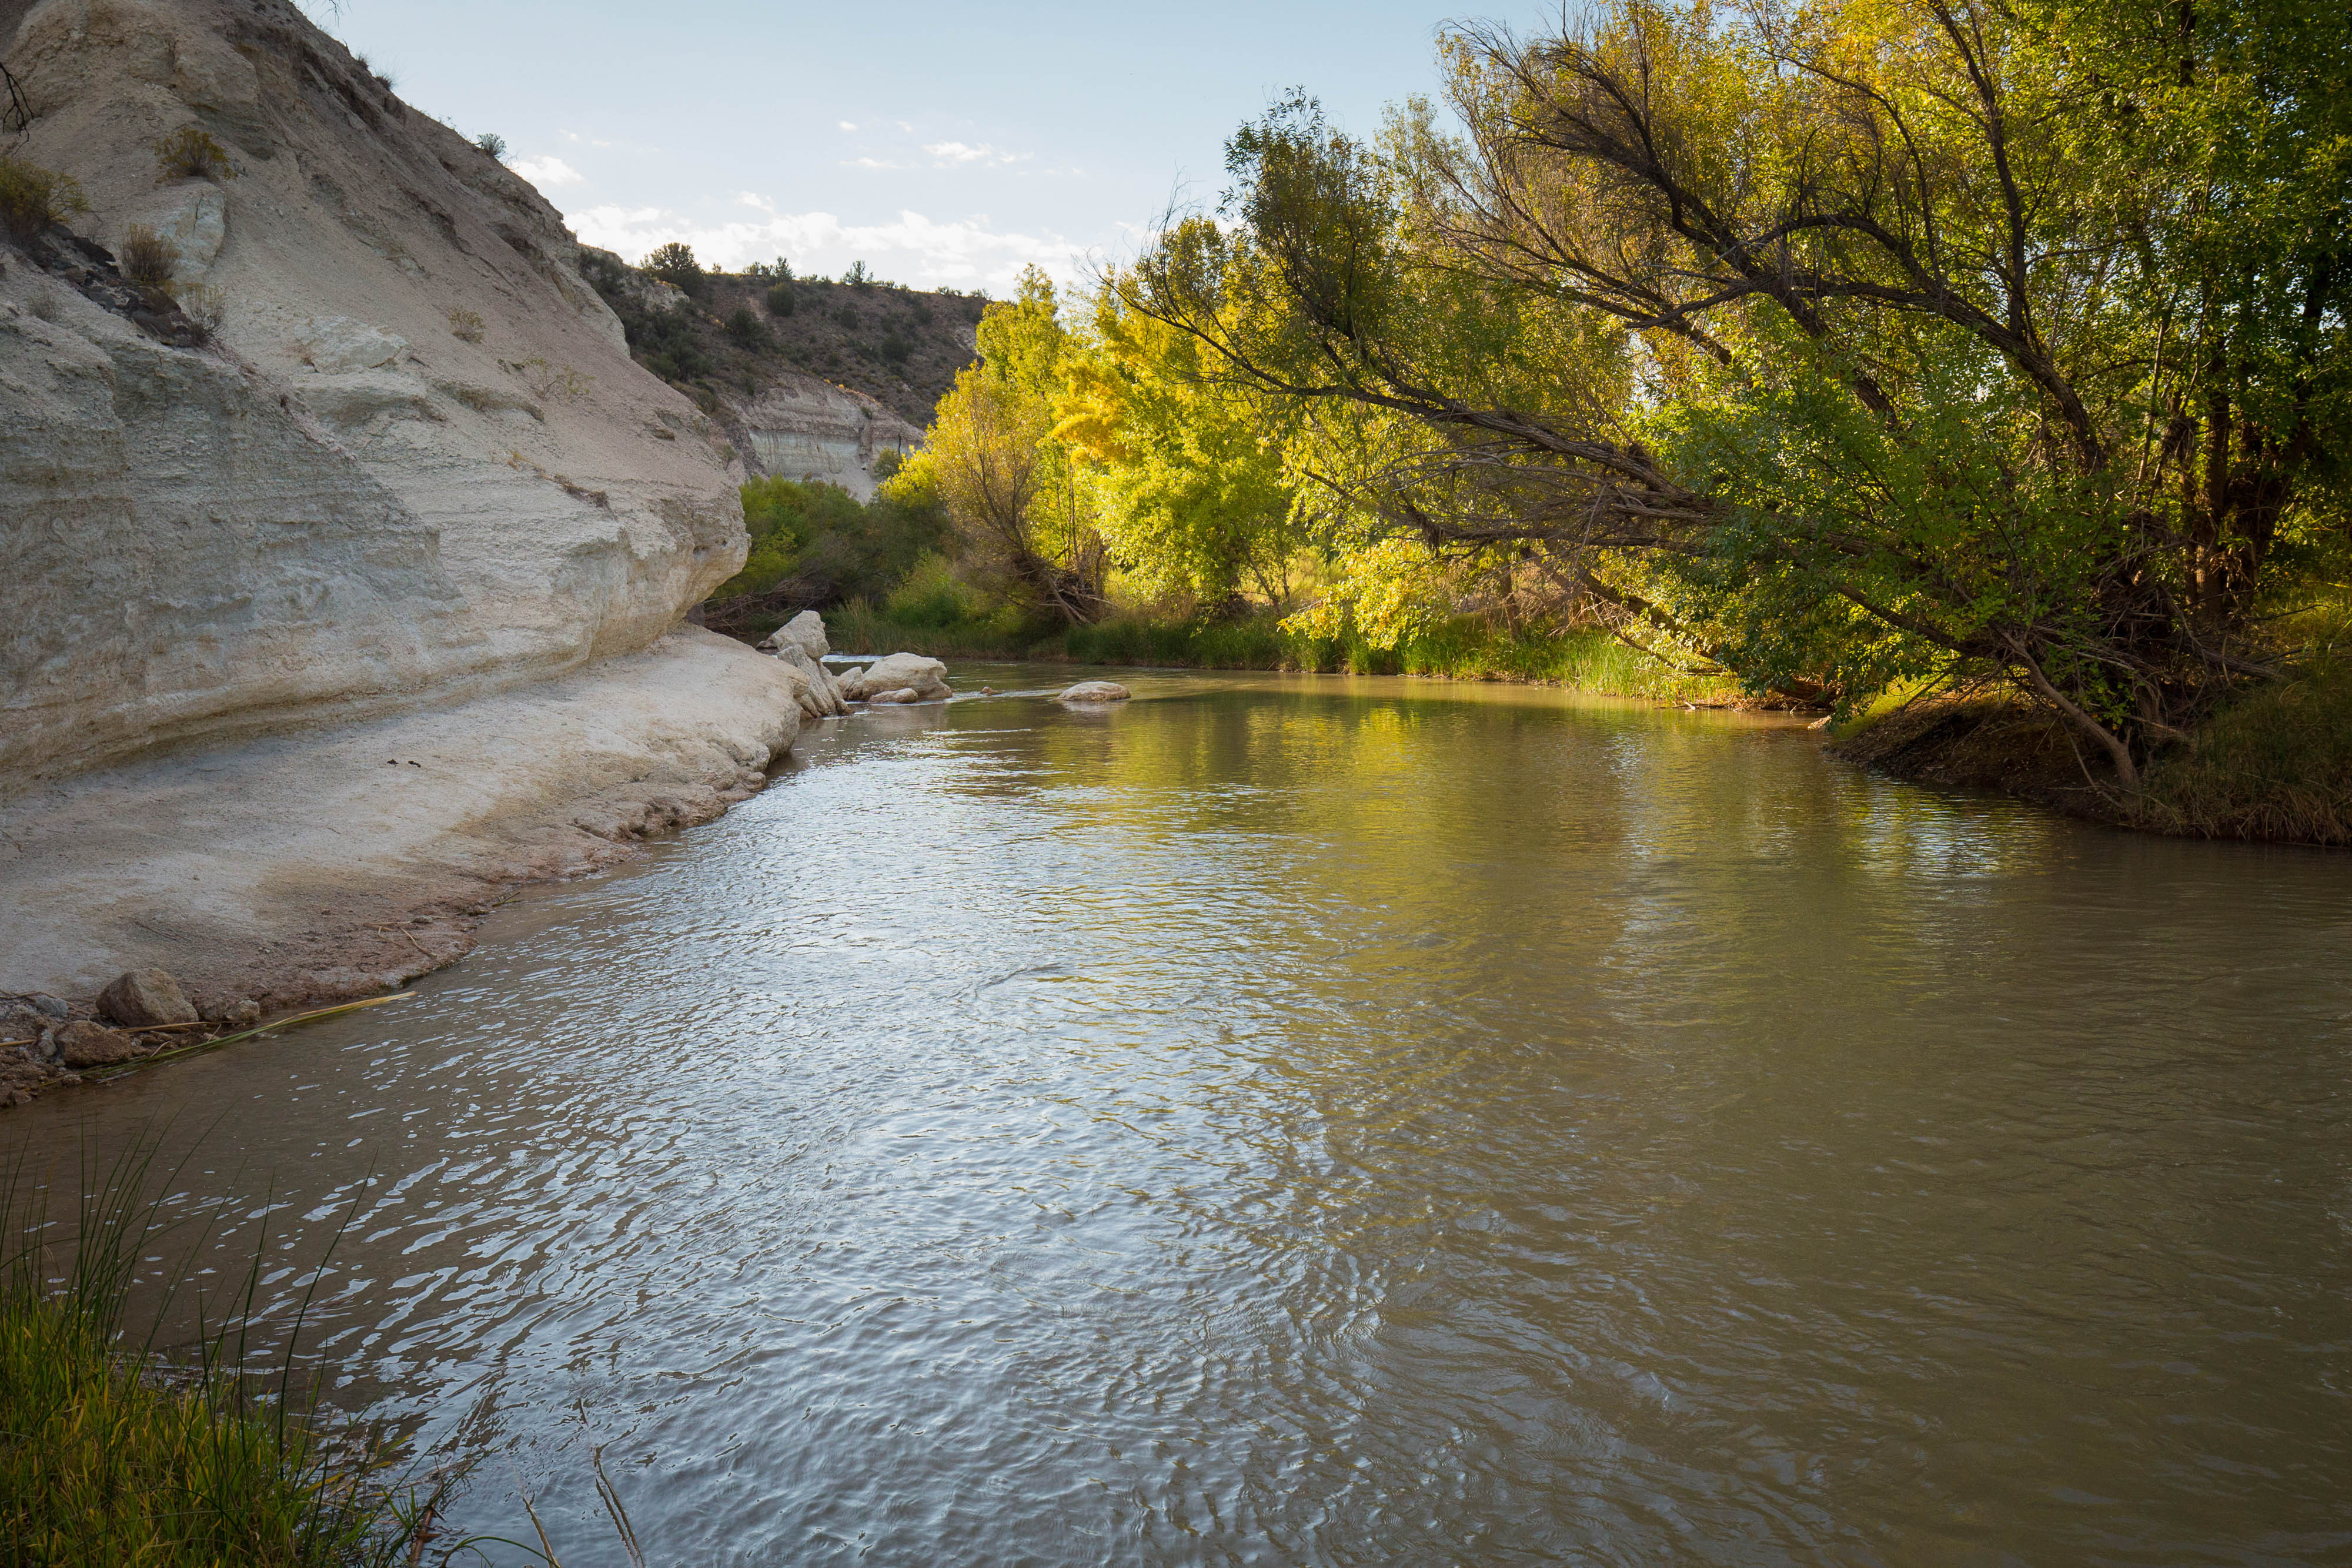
x,y
143,999
823,697
1095,692
86,1044
806,629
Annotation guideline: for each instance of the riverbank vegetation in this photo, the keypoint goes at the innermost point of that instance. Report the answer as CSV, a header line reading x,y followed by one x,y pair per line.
x,y
1966,352
115,1454
1582,658
121,1450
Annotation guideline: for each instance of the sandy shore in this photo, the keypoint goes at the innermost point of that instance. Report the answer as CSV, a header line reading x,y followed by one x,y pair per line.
x,y
319,866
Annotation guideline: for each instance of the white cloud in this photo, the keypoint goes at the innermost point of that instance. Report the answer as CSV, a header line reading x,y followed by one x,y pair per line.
x,y
951,153
845,125
870,163
548,173
914,249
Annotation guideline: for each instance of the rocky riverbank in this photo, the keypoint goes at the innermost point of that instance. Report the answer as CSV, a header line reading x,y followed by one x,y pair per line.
x,y
305,870
301,870
326,624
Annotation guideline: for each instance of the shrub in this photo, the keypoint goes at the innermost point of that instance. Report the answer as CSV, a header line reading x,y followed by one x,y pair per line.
x,y
847,314
491,142
147,258
673,264
192,152
781,299
554,384
930,596
666,343
834,547
894,349
2276,764
857,277
746,331
466,326
205,309
32,198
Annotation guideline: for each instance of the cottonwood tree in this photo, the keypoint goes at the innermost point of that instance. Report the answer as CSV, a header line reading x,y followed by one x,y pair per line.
x,y
1186,480
1009,486
1843,344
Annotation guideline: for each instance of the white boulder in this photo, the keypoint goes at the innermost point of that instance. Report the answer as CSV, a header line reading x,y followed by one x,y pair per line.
x,y
928,678
1091,692
807,630
820,695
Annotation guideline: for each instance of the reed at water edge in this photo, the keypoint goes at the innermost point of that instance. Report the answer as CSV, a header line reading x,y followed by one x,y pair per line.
x,y
114,1454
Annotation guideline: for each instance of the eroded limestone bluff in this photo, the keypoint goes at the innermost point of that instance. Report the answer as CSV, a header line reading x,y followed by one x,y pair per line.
x,y
347,504
796,425
413,498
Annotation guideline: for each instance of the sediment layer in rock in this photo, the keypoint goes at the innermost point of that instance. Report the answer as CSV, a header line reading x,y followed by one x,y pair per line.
x,y
416,460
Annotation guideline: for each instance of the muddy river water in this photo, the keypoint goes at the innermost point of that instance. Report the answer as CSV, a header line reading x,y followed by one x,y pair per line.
x,y
1316,1121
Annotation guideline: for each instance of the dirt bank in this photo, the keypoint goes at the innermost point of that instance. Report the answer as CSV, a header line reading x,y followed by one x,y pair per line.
x,y
2274,767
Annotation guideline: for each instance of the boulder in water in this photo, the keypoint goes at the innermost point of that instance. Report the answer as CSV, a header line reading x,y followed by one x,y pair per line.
x,y
805,631
928,678
820,695
1093,692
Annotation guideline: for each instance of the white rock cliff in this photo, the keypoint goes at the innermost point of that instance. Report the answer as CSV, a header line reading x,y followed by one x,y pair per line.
x,y
418,463
375,602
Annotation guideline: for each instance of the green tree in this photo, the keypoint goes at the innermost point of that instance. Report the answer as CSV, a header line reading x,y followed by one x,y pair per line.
x,y
673,264
1186,476
746,331
1842,342
1010,488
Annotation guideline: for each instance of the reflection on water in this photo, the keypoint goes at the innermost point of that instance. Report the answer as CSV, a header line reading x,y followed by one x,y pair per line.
x,y
1313,1121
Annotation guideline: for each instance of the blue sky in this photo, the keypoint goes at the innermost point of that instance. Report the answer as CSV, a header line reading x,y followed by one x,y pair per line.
x,y
941,144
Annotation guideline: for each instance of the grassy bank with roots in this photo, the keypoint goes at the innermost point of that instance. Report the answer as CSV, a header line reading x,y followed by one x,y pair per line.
x,y
2273,766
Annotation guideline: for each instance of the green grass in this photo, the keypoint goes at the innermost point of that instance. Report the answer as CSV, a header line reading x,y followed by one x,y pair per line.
x,y
108,1456
1585,660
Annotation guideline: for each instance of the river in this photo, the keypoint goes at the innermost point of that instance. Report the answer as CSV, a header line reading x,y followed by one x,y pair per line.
x,y
1296,1120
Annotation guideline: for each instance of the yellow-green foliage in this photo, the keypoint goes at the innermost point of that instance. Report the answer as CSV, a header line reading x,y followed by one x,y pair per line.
x,y
107,1458
32,198
839,546
931,595
190,153
1583,659
103,1464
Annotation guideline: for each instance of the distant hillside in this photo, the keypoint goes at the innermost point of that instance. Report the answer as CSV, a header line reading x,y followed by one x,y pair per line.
x,y
721,334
